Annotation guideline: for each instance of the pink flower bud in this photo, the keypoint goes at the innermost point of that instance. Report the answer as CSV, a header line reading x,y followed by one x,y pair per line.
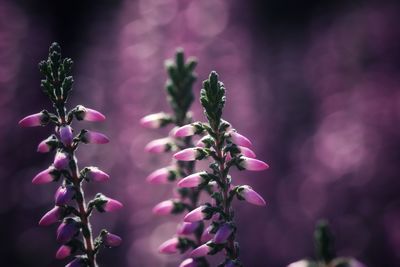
x,y
37,119
161,176
223,234
63,252
61,160
64,194
90,137
170,246
239,139
67,230
95,174
195,215
188,263
207,235
192,180
112,240
203,141
78,262
46,176
112,205
88,114
247,152
201,251
188,154
66,135
154,121
158,145
302,263
253,164
48,144
251,196
164,207
187,228
186,130
52,216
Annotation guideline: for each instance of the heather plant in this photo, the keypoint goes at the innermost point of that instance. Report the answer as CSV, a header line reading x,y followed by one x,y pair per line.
x,y
179,88
71,210
225,148
325,251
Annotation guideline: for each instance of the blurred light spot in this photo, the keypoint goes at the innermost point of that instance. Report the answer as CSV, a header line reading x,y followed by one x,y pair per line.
x,y
207,17
158,12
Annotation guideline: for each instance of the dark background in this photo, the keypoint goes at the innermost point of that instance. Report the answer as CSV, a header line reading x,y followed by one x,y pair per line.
x,y
314,85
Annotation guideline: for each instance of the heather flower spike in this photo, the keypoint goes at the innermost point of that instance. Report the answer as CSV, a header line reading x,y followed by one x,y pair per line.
x,y
179,89
325,251
228,149
74,232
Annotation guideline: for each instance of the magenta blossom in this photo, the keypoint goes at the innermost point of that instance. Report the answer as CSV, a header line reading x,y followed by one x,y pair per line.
x,y
188,154
112,240
154,120
253,164
91,137
195,215
112,205
52,216
47,176
251,196
239,139
164,207
201,251
192,180
170,246
66,135
159,145
88,114
63,252
184,131
97,175
37,119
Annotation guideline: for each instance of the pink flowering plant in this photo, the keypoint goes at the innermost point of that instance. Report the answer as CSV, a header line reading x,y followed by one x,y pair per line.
x,y
71,210
179,88
225,148
325,251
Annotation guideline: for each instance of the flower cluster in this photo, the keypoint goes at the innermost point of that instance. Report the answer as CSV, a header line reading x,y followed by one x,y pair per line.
x,y
70,206
179,87
225,148
325,250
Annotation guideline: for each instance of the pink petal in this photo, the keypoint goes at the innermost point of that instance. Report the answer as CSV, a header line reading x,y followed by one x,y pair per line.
x,y
159,176
253,164
164,207
63,252
169,246
192,180
112,205
201,251
158,145
186,130
44,177
52,216
195,215
93,115
188,263
252,196
188,154
32,120
239,139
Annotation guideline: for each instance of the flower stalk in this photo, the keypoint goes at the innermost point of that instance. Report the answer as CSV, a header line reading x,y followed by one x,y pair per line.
x,y
226,148
71,208
179,88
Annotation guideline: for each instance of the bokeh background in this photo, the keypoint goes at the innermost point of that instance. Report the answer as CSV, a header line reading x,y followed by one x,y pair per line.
x,y
314,84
